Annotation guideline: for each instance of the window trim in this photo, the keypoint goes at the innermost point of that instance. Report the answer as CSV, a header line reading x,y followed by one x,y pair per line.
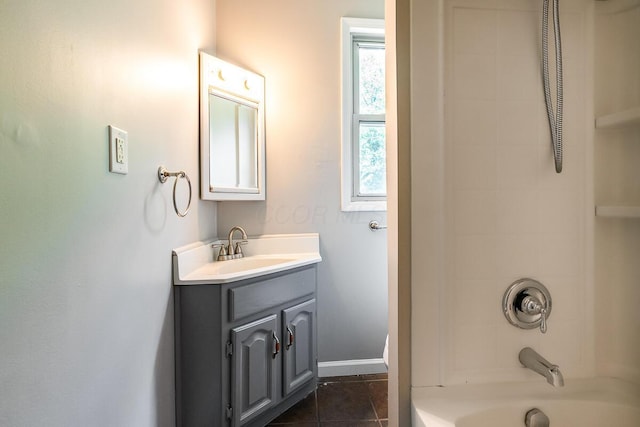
x,y
351,27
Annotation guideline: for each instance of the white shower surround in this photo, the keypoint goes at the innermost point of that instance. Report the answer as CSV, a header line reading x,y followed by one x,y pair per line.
x,y
504,213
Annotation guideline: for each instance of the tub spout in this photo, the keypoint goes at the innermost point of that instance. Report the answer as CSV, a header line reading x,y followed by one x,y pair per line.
x,y
532,360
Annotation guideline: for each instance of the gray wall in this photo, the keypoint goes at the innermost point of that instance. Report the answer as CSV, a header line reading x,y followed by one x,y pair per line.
x,y
86,307
296,46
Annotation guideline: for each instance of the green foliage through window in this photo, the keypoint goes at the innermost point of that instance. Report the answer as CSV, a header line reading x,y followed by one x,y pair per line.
x,y
372,159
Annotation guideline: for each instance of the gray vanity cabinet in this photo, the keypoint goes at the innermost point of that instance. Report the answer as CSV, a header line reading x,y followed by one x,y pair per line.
x,y
253,370
245,351
299,345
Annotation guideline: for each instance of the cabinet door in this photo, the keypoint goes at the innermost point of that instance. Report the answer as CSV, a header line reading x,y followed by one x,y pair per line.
x,y
253,368
299,342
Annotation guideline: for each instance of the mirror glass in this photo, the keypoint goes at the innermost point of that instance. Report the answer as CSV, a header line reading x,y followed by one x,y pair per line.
x,y
231,131
233,140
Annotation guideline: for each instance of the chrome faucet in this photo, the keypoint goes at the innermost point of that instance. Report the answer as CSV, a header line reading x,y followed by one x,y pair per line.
x,y
232,250
532,360
236,251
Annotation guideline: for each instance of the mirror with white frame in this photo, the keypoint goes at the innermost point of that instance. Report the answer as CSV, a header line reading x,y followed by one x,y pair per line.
x,y
232,140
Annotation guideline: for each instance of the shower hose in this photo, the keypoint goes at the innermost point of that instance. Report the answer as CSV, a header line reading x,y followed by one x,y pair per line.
x,y
555,120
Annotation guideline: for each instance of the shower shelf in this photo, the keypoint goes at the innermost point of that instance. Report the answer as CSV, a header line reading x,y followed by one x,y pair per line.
x,y
616,6
618,211
619,119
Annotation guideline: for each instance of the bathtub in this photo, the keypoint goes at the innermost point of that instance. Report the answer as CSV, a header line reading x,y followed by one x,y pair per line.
x,y
580,403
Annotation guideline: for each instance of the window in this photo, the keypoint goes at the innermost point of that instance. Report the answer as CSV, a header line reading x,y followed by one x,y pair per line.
x,y
363,115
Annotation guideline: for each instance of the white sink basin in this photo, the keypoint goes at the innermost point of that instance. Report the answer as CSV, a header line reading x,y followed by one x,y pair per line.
x,y
194,264
243,264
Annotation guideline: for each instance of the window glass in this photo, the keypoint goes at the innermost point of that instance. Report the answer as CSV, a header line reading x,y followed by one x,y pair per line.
x,y
372,160
371,78
368,115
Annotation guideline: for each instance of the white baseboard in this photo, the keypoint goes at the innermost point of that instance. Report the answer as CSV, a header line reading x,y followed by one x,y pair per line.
x,y
339,368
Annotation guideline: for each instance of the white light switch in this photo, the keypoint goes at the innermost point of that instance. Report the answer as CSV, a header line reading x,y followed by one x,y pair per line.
x,y
118,150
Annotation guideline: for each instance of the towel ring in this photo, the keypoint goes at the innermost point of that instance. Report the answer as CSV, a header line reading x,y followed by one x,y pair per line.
x,y
163,175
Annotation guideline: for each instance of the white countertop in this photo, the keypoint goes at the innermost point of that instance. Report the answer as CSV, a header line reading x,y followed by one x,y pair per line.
x,y
195,264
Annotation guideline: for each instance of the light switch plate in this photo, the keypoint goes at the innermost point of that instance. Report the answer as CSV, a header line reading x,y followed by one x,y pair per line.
x,y
118,150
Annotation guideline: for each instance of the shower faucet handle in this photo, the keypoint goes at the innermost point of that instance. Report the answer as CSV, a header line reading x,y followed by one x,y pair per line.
x,y
532,305
543,320
527,304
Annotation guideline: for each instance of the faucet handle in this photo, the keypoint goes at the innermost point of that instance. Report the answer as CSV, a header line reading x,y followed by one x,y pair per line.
x,y
532,305
238,250
527,304
223,249
222,254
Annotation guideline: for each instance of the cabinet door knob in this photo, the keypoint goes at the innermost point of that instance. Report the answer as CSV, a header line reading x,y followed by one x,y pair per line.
x,y
276,345
290,338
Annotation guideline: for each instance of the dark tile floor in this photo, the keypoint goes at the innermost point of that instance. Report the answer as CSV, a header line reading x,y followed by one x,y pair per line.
x,y
354,401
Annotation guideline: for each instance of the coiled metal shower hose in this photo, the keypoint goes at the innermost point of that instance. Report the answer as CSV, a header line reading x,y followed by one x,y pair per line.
x,y
555,123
